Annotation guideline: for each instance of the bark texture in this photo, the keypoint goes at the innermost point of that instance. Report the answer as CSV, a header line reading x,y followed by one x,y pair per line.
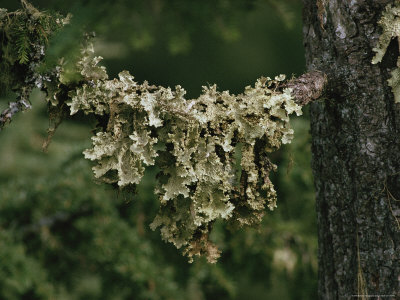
x,y
356,151
308,87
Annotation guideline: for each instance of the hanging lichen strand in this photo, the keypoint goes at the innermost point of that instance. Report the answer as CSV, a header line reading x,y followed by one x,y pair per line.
x,y
211,151
390,24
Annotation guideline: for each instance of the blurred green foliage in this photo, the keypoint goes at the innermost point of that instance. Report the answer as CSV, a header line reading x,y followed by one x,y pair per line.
x,y
62,236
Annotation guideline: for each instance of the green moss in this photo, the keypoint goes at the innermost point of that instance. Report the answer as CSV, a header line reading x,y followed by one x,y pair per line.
x,y
24,34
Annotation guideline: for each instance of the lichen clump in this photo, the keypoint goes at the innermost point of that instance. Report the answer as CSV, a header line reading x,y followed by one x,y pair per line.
x,y
211,151
390,24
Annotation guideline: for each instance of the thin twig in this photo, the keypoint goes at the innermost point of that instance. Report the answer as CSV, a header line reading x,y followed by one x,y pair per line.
x,y
60,217
391,197
13,108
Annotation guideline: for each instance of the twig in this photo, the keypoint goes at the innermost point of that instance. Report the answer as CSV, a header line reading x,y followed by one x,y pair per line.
x,y
13,108
60,217
308,87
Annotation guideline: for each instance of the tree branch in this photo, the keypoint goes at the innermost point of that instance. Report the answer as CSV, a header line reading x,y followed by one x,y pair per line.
x,y
58,218
13,108
305,89
308,87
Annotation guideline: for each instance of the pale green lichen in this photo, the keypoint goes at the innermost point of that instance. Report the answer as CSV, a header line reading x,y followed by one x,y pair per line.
x,y
211,151
195,143
390,24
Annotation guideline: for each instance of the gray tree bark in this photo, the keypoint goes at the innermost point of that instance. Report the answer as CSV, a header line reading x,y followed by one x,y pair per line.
x,y
356,151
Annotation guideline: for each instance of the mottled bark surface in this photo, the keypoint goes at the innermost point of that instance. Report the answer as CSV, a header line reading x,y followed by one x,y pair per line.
x,y
308,87
356,151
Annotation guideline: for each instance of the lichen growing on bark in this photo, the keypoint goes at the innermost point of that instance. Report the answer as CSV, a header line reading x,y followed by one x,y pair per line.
x,y
211,152
194,143
390,24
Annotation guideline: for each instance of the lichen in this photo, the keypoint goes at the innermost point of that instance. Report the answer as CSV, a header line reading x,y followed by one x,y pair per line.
x,y
195,144
211,152
390,24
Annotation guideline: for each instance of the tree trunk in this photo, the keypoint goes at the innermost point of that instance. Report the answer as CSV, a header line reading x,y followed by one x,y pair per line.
x,y
356,151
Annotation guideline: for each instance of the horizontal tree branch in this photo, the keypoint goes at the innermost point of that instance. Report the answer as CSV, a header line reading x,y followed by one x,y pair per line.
x,y
308,87
305,89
